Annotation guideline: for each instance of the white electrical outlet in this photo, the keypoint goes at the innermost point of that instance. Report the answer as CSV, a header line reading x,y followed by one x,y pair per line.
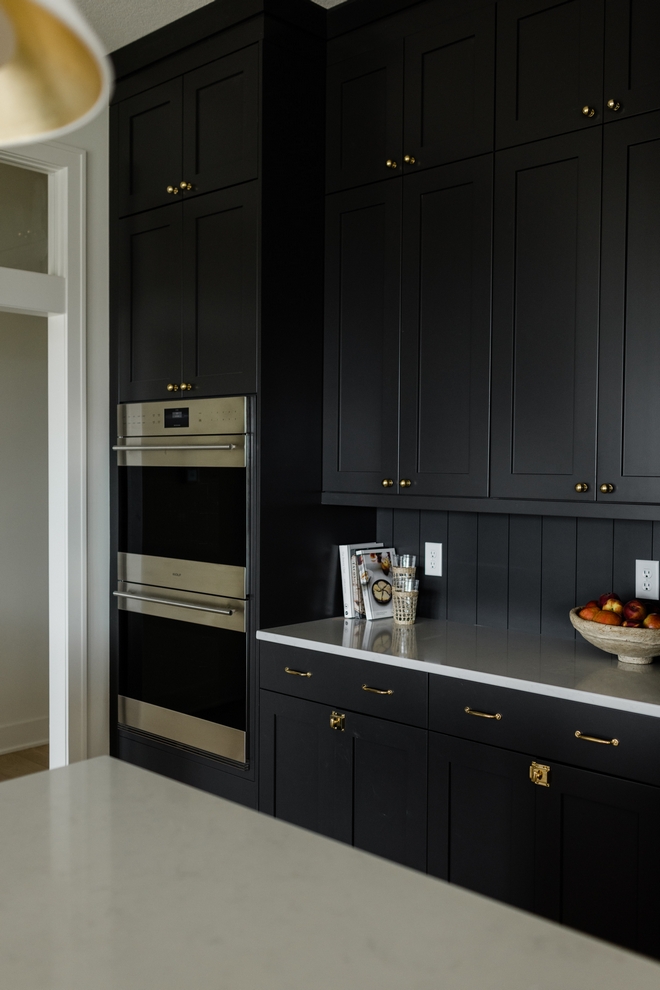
x,y
647,579
433,559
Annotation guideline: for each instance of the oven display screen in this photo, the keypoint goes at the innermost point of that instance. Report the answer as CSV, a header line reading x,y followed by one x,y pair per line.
x,y
176,417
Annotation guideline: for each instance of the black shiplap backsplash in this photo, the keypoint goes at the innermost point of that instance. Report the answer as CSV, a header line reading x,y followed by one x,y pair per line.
x,y
520,572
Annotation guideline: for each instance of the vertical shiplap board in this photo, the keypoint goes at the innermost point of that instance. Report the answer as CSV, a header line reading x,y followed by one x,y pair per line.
x,y
525,573
461,557
633,540
405,532
384,526
493,570
558,575
433,590
594,558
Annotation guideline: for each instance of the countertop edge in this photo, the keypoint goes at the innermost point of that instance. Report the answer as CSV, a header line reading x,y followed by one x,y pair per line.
x,y
482,677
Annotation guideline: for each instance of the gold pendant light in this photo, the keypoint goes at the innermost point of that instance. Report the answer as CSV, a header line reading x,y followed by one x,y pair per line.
x,y
54,76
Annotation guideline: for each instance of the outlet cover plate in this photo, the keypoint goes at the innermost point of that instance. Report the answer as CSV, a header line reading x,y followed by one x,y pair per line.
x,y
647,579
433,559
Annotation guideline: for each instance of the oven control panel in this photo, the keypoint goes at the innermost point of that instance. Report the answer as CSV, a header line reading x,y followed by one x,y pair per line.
x,y
196,417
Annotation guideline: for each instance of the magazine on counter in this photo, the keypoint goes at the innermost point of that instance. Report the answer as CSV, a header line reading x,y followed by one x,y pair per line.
x,y
374,572
346,551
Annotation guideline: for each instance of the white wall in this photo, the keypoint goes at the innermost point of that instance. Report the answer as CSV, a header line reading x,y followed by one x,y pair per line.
x,y
23,532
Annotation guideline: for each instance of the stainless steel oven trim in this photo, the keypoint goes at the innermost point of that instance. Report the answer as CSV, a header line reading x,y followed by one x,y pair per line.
x,y
164,573
217,451
167,601
180,446
210,737
225,414
183,606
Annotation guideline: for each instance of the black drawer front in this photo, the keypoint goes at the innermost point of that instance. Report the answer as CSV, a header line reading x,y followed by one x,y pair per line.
x,y
338,681
545,727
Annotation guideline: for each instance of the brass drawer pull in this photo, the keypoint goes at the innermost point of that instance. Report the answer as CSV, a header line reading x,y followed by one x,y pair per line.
x,y
297,673
603,742
471,711
365,687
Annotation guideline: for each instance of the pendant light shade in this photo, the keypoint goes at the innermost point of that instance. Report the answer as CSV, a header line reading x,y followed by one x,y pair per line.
x,y
54,75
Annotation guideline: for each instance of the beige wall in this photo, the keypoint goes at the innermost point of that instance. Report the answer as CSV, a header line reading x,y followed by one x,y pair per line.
x,y
23,532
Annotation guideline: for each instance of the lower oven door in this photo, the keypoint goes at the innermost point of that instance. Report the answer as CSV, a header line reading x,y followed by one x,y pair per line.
x,y
183,668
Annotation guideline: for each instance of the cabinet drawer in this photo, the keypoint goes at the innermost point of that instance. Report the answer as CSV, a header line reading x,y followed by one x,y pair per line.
x,y
545,728
338,681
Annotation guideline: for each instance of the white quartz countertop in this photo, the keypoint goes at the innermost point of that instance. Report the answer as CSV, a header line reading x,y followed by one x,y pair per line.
x,y
571,669
114,878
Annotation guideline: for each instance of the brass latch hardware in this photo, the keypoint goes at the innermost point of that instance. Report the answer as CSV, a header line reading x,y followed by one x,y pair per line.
x,y
538,774
337,722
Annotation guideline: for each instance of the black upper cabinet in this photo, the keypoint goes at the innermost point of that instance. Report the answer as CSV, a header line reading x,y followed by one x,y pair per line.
x,y
632,42
364,118
445,331
629,401
545,318
447,75
549,68
363,246
199,130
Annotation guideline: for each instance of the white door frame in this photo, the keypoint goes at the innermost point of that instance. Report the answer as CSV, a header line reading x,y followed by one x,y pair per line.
x,y
60,296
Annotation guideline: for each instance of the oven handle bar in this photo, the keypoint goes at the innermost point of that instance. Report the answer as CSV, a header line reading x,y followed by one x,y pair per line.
x,y
196,446
166,601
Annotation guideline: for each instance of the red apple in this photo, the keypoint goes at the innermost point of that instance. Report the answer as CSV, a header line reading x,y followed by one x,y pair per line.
x,y
634,610
607,618
632,625
613,605
652,621
592,603
588,611
603,598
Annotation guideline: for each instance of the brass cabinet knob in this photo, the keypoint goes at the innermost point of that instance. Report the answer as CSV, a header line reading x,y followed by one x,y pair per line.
x,y
390,164
185,185
582,486
405,483
607,488
185,386
172,388
387,482
589,111
409,159
173,190
613,105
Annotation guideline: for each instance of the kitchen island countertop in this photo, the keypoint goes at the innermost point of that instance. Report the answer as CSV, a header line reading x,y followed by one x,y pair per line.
x,y
562,668
116,878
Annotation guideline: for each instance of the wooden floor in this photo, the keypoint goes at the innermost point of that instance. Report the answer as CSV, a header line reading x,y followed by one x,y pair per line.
x,y
23,762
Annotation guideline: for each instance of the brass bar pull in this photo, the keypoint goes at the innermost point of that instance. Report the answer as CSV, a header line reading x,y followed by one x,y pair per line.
x,y
471,711
603,742
298,673
365,687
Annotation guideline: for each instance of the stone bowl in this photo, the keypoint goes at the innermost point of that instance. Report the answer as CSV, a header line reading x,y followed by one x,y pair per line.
x,y
630,645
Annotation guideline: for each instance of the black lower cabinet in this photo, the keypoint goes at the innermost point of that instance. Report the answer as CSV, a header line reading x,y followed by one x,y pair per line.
x,y
363,782
481,819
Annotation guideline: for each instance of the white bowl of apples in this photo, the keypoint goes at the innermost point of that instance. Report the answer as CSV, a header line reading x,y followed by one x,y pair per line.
x,y
631,631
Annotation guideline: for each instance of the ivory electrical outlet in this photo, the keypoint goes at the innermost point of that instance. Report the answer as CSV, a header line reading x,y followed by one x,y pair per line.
x,y
647,579
433,559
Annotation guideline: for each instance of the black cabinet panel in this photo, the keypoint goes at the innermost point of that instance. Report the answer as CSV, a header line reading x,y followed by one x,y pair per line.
x,y
362,338
220,243
481,819
148,303
549,66
449,90
632,42
545,317
221,122
364,117
629,402
596,871
149,148
445,338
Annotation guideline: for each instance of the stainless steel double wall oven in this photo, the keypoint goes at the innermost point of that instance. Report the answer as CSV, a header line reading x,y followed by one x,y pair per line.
x,y
182,592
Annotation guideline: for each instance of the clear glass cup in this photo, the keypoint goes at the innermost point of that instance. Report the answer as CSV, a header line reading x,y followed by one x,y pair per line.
x,y
404,563
405,592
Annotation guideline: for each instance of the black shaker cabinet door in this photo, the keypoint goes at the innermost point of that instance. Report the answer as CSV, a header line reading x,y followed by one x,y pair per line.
x,y
147,301
481,819
220,243
629,398
221,122
445,330
149,148
363,247
632,67
364,118
545,318
449,91
594,868
549,68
